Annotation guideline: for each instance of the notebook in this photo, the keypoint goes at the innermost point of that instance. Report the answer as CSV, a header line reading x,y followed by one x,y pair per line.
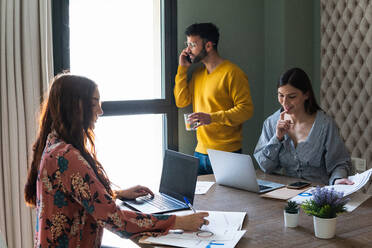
x,y
178,180
237,170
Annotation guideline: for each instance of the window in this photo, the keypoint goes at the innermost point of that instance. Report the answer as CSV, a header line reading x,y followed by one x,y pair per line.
x,y
118,44
125,47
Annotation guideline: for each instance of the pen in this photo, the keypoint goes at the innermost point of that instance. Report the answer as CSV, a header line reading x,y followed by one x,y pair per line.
x,y
213,243
176,231
189,204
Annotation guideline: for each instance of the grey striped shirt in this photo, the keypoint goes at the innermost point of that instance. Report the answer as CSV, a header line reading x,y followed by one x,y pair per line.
x,y
322,157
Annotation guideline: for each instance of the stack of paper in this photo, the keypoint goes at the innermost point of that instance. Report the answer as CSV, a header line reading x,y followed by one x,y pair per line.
x,y
360,181
357,192
224,229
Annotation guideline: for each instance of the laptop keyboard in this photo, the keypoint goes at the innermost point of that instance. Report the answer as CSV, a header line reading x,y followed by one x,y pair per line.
x,y
262,187
160,202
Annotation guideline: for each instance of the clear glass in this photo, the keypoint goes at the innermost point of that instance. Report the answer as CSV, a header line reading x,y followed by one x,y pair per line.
x,y
117,43
130,148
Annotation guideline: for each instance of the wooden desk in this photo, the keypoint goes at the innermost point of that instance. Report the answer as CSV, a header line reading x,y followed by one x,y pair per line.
x,y
264,221
265,224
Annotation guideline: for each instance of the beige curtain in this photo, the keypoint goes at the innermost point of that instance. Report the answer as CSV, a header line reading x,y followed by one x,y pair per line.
x,y
25,70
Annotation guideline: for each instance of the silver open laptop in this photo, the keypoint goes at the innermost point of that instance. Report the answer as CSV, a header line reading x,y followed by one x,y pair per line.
x,y
178,180
237,170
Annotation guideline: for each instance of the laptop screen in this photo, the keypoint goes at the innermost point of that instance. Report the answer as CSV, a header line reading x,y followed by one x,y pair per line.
x,y
179,175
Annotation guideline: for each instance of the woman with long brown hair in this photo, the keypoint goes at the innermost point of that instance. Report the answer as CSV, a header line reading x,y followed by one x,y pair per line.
x,y
69,187
300,140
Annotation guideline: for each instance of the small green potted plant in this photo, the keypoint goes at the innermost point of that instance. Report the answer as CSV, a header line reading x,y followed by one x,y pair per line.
x,y
325,205
291,213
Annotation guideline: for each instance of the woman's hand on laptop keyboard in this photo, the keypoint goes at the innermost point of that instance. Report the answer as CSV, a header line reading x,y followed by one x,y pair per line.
x,y
133,192
191,222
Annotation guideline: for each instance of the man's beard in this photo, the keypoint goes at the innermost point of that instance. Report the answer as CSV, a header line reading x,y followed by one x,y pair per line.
x,y
203,53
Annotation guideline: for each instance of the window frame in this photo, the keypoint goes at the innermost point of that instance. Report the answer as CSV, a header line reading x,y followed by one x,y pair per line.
x,y
166,105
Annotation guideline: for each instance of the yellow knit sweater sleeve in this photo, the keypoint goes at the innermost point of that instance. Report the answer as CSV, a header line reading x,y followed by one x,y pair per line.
x,y
237,107
182,91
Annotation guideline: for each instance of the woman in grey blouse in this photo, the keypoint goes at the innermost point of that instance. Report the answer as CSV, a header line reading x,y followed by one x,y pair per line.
x,y
300,140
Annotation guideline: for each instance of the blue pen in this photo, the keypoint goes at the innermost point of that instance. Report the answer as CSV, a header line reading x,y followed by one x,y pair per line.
x,y
189,204
213,243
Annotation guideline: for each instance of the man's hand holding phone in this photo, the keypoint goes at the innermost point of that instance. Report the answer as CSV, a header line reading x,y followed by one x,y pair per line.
x,y
184,59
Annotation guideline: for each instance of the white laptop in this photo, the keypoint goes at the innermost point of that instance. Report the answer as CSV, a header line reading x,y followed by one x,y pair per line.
x,y
237,170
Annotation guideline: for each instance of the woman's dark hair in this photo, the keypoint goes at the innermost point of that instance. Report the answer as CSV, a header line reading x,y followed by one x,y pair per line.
x,y
68,111
206,31
297,78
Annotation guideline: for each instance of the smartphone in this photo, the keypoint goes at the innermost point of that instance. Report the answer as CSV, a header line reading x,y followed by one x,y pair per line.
x,y
188,58
298,185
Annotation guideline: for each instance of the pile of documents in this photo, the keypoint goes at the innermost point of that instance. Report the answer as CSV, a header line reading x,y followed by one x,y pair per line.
x,y
361,181
224,229
358,192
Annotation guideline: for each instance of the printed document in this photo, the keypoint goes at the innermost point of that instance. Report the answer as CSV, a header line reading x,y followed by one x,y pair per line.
x,y
360,180
224,228
359,192
202,187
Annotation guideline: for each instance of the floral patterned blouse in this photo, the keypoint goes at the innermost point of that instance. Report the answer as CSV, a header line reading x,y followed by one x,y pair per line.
x,y
73,207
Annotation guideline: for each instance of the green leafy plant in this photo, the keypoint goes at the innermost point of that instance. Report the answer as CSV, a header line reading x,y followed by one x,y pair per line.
x,y
326,203
291,207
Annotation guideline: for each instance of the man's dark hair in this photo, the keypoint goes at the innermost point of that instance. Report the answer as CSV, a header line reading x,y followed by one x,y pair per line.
x,y
206,31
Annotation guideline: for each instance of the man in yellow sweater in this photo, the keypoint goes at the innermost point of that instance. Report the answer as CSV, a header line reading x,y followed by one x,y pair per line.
x,y
218,90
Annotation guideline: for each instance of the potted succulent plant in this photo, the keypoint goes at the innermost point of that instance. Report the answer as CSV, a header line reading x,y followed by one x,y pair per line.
x,y
325,205
291,212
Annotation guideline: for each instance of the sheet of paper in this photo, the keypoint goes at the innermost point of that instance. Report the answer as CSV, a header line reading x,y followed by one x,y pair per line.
x,y
356,192
202,187
302,197
197,242
219,235
232,243
165,240
356,200
113,240
225,227
220,221
360,180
